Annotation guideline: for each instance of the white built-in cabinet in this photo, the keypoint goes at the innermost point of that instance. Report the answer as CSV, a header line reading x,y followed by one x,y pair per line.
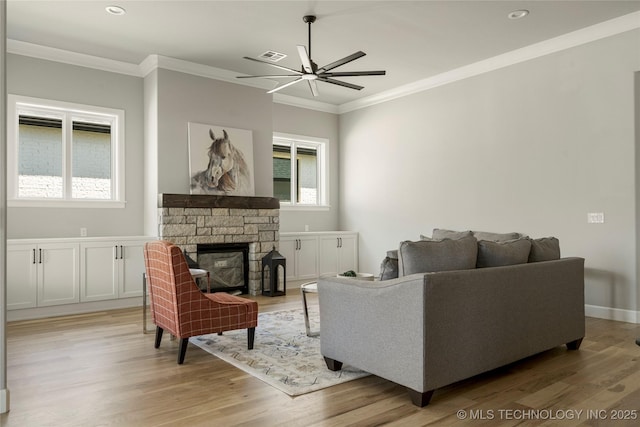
x,y
42,274
111,270
50,272
311,254
338,253
301,252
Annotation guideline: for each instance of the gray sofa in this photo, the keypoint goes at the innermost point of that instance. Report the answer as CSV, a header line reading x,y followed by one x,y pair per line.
x,y
427,330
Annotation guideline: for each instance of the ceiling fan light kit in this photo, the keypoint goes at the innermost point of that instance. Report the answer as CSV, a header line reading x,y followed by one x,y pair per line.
x,y
310,71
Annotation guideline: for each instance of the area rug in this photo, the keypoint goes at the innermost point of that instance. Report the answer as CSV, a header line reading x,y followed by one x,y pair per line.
x,y
283,356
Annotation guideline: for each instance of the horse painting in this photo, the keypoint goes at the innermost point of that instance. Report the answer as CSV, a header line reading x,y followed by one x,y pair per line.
x,y
227,171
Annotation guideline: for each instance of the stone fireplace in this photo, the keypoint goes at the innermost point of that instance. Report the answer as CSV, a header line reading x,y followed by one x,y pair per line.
x,y
192,220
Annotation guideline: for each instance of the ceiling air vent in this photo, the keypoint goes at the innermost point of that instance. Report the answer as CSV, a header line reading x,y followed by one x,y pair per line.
x,y
272,56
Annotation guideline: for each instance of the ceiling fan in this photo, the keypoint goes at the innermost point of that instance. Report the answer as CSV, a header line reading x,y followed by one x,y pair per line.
x,y
310,71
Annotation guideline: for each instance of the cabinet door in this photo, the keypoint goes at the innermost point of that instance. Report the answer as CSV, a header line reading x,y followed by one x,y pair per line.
x,y
307,258
131,268
58,273
328,259
21,276
348,253
287,248
98,271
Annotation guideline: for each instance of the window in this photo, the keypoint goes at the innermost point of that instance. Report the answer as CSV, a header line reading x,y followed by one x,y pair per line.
x,y
300,170
62,154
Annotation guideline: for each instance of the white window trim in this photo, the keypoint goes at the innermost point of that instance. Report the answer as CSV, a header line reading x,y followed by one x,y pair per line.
x,y
17,103
322,145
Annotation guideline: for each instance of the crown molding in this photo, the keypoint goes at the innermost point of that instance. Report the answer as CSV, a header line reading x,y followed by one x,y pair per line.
x,y
152,62
566,41
294,101
73,58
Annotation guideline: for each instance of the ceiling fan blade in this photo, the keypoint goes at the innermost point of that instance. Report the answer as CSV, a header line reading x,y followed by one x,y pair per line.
x,y
274,65
314,87
342,61
304,58
268,76
285,85
353,73
339,83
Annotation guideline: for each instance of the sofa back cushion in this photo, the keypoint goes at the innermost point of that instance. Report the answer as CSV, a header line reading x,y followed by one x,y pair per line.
x,y
544,249
426,256
496,237
496,254
441,233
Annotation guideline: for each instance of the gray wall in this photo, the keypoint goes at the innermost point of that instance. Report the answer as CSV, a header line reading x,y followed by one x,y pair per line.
x,y
637,127
532,148
62,82
300,121
184,98
4,392
173,99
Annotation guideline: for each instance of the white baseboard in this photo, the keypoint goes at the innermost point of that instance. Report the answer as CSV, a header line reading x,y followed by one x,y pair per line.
x,y
4,400
609,313
69,309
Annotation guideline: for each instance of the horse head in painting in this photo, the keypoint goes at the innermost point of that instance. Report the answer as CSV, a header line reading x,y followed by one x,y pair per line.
x,y
226,172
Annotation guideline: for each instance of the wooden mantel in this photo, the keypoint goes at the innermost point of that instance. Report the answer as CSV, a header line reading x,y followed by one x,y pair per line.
x,y
209,201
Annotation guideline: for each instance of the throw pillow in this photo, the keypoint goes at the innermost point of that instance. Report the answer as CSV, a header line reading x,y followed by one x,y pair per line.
x,y
496,254
389,266
441,233
496,237
544,249
437,255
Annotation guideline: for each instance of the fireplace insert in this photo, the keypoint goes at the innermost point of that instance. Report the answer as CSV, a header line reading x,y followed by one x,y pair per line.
x,y
227,264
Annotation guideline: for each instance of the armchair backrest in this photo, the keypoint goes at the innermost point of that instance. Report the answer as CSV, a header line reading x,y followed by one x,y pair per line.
x,y
170,284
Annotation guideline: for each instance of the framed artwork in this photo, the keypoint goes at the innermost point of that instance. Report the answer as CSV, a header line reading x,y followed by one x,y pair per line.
x,y
220,160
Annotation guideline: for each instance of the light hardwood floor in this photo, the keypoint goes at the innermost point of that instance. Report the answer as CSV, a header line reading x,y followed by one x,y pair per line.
x,y
100,370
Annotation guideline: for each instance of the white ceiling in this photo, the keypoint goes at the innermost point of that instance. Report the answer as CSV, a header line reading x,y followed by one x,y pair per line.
x,y
411,40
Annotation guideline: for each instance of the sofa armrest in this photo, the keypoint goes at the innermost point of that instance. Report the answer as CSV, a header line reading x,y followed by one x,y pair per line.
x,y
375,326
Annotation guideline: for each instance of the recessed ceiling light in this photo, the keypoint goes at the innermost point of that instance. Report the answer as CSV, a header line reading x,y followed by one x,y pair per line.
x,y
115,10
517,14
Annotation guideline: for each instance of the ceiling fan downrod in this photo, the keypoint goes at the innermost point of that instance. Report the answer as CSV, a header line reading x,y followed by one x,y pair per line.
x,y
309,19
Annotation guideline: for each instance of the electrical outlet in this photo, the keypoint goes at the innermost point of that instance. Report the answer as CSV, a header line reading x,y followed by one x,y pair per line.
x,y
595,218
83,232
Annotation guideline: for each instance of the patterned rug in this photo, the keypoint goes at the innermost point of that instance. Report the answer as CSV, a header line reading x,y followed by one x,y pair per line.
x,y
283,356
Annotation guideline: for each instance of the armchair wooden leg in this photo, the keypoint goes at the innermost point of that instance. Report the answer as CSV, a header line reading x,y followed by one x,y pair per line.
x,y
183,350
333,365
158,336
420,399
251,335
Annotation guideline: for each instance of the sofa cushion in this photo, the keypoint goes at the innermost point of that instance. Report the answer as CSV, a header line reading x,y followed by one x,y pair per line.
x,y
496,254
441,233
544,249
389,266
496,237
437,255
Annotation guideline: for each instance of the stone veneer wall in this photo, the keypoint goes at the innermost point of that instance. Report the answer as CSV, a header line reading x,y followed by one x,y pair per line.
x,y
187,220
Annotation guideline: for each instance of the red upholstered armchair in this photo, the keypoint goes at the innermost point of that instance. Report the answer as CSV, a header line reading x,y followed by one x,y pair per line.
x,y
178,306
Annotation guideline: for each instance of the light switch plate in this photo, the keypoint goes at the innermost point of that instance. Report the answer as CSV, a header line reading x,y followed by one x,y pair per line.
x,y
595,218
